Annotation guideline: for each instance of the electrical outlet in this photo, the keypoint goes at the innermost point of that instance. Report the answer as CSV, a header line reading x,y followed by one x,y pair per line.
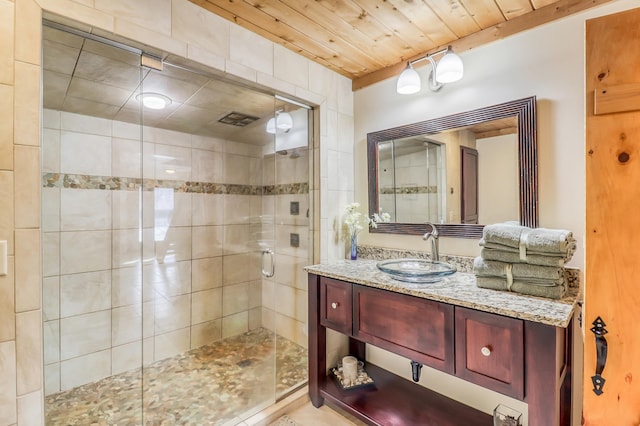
x,y
294,208
294,240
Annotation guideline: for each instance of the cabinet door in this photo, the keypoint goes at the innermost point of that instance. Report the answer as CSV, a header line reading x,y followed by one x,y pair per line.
x,y
335,305
489,351
419,329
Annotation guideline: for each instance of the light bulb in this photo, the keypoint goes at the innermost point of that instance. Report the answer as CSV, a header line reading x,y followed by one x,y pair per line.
x,y
154,100
450,68
271,126
408,81
284,121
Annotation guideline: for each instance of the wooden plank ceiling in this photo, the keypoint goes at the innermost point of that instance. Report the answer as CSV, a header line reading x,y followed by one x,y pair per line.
x,y
371,40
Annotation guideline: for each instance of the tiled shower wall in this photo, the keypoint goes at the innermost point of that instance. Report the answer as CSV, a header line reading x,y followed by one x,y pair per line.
x,y
180,28
105,310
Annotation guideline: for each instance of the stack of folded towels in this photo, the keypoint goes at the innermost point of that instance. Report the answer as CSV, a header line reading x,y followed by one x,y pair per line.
x,y
524,260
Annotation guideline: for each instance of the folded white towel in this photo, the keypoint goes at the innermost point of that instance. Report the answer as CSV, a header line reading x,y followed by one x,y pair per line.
x,y
523,287
528,241
485,267
514,257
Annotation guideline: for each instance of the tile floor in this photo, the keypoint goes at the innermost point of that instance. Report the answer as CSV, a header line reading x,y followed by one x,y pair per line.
x,y
211,385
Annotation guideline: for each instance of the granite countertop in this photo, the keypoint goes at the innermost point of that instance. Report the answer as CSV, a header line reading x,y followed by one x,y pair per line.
x,y
458,289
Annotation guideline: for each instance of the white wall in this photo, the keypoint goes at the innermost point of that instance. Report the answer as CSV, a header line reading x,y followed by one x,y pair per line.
x,y
547,62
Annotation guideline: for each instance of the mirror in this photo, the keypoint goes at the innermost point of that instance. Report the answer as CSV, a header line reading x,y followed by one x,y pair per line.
x,y
446,171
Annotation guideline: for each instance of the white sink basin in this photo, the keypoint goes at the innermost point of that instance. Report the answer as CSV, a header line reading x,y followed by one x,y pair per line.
x,y
416,270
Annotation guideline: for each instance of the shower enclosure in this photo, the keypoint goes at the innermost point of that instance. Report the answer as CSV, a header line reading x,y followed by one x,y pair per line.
x,y
175,220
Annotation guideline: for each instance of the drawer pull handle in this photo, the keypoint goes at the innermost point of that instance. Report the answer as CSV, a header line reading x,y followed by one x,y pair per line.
x,y
335,305
486,350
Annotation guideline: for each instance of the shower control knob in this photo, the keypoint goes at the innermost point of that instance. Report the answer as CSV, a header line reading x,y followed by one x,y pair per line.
x,y
334,305
486,350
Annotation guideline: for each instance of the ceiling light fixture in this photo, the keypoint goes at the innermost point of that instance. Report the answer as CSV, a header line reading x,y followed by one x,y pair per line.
x,y
282,121
448,70
153,100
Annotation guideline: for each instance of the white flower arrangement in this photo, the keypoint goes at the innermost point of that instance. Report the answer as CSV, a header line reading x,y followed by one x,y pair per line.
x,y
356,221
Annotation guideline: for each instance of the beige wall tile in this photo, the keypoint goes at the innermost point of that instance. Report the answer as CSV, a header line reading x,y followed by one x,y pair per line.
x,y
195,25
27,186
50,254
29,32
147,36
82,251
52,378
6,201
85,209
51,338
126,357
51,150
251,50
89,16
79,150
168,279
205,333
126,286
7,9
235,298
169,344
240,268
85,124
206,273
26,120
203,56
206,306
27,269
85,334
208,209
255,318
7,303
8,413
151,14
50,298
126,326
6,125
233,325
207,241
172,313
50,209
291,67
85,369
84,293
207,166
29,351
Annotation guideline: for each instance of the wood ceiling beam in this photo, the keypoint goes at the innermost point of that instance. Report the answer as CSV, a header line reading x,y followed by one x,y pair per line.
x,y
561,9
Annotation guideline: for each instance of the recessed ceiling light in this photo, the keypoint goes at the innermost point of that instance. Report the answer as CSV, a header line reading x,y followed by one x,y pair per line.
x,y
154,100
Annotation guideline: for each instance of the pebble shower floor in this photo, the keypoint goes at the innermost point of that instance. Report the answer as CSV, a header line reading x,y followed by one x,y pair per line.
x,y
209,385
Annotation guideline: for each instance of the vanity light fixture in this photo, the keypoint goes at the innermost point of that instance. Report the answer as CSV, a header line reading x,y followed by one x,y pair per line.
x,y
282,121
447,70
153,100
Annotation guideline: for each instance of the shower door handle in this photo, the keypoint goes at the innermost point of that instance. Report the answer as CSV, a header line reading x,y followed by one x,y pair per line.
x,y
272,267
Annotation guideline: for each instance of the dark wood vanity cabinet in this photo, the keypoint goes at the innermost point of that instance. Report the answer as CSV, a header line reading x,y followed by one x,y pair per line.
x,y
419,329
525,360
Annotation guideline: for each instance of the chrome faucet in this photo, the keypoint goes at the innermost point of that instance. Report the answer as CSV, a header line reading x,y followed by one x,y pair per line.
x,y
433,236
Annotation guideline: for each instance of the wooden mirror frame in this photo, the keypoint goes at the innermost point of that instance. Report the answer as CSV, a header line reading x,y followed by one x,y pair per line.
x,y
525,111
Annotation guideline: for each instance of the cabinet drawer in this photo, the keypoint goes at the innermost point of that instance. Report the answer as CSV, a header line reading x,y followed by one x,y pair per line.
x,y
416,328
336,305
489,351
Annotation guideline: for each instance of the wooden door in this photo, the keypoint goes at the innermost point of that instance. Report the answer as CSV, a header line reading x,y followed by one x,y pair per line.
x,y
469,184
612,285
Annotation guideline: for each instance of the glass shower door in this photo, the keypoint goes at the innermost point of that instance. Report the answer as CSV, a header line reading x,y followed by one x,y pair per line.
x,y
92,253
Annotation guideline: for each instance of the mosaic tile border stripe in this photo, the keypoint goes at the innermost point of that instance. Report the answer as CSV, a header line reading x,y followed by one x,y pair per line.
x,y
410,190
111,183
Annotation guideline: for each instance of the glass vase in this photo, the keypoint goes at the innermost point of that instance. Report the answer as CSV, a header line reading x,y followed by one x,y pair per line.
x,y
354,247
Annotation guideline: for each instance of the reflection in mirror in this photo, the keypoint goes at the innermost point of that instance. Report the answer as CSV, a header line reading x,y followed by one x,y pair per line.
x,y
460,171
